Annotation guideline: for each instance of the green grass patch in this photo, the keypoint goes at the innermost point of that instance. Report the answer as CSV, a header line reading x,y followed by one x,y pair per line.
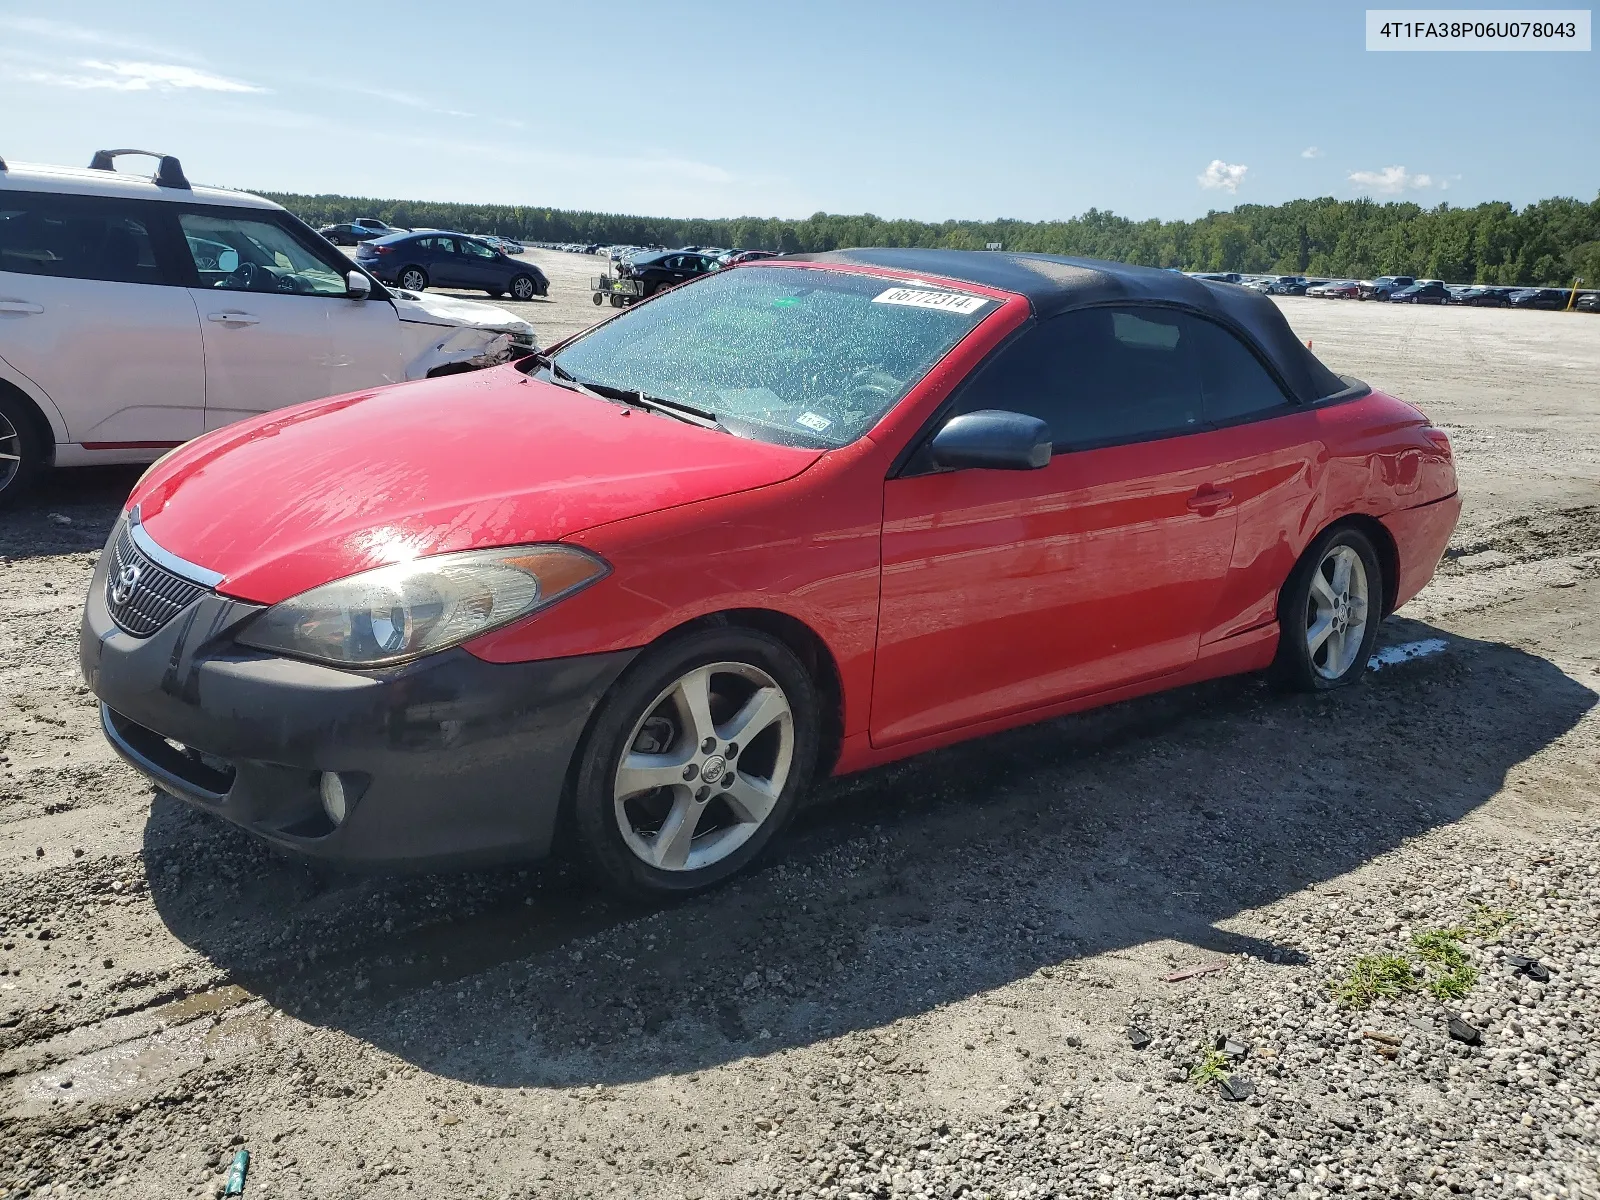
x,y
1212,1069
1375,977
1450,973
1487,922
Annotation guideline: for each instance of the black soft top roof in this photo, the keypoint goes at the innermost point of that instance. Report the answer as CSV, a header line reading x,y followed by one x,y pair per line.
x,y
1054,284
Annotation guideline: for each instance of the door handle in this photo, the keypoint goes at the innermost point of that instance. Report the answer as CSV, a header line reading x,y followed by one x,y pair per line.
x,y
20,307
1208,499
234,318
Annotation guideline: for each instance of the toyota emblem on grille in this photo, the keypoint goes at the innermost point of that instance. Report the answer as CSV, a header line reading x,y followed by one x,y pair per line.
x,y
127,580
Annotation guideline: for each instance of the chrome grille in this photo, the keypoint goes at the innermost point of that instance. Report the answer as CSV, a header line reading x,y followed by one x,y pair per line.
x,y
142,595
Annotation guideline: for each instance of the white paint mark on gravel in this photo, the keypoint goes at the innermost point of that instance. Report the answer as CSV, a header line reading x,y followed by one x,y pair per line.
x,y
1389,656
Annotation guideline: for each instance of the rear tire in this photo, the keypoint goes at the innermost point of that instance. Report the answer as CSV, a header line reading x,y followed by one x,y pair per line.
x,y
1329,612
24,454
413,279
720,803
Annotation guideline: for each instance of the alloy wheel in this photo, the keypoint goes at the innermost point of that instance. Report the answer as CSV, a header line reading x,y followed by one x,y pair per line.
x,y
1336,612
10,452
523,288
414,281
704,766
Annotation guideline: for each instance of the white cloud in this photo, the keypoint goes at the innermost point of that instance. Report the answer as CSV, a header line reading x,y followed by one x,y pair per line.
x,y
1391,181
141,77
1226,176
1311,152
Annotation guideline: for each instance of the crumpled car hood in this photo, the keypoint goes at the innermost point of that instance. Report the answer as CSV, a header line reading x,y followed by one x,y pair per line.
x,y
446,332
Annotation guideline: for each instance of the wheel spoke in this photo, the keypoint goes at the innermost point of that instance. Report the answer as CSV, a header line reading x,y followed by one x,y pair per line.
x,y
750,799
640,773
1339,652
1341,570
1319,633
10,458
765,707
1321,593
669,849
692,698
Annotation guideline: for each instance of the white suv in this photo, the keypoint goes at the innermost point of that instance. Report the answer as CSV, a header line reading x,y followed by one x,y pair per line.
x,y
138,313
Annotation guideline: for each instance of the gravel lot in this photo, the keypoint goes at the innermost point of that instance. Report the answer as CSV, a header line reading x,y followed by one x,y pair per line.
x,y
957,979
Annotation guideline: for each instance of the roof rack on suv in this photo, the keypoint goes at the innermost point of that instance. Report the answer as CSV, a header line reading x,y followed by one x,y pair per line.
x,y
169,171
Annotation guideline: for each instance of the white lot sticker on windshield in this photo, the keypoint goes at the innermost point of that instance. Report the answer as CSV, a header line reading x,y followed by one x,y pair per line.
x,y
812,421
944,301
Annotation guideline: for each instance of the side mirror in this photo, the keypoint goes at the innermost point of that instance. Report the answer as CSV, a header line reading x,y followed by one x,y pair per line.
x,y
360,287
992,439
228,261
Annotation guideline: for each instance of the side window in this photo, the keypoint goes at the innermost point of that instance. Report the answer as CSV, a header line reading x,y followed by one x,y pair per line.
x,y
1097,377
73,237
1235,383
248,254
476,249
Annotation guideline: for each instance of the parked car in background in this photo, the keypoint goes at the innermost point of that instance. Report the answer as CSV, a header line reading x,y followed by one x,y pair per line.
x,y
348,233
503,244
540,620
1588,302
418,261
1483,297
1546,298
657,271
141,312
1218,276
1429,291
1338,289
378,228
734,257
1384,286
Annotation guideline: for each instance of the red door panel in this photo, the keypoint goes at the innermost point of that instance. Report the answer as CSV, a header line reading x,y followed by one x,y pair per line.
x,y
1004,591
1273,468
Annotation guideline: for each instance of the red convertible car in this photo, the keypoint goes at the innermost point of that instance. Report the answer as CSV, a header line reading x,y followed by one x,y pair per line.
x,y
793,519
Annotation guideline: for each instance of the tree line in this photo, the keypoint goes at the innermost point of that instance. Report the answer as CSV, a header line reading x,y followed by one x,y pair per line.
x,y
1547,243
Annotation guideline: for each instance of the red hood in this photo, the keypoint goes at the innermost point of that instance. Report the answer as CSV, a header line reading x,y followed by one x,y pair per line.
x,y
296,498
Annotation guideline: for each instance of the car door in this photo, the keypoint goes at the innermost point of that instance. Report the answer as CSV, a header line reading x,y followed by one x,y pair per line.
x,y
93,312
278,325
481,267
1267,452
444,264
1004,591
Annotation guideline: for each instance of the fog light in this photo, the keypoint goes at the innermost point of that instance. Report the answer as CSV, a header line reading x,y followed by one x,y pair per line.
x,y
334,802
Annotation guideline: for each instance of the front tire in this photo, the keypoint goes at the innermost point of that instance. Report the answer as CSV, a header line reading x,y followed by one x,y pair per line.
x,y
695,762
1328,613
523,287
414,279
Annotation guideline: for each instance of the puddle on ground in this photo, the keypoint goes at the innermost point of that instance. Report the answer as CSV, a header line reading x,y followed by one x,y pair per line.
x,y
226,1029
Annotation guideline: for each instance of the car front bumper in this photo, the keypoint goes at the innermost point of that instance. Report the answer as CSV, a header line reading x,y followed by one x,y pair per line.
x,y
447,761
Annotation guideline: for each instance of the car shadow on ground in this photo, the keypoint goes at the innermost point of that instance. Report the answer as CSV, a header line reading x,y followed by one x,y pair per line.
x,y
68,511
902,889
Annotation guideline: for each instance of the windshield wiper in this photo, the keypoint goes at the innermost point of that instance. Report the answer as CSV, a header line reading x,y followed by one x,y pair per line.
x,y
674,408
689,413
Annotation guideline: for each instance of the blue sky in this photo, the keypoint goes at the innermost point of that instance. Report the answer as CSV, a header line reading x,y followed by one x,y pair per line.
x,y
927,110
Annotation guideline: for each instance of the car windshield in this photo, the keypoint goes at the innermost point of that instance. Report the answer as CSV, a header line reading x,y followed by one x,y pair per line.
x,y
792,355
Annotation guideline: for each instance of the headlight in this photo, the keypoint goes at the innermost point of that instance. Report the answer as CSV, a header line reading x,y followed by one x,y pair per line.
x,y
403,611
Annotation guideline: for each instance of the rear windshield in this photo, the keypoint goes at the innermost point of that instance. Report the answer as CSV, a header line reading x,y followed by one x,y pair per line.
x,y
783,354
